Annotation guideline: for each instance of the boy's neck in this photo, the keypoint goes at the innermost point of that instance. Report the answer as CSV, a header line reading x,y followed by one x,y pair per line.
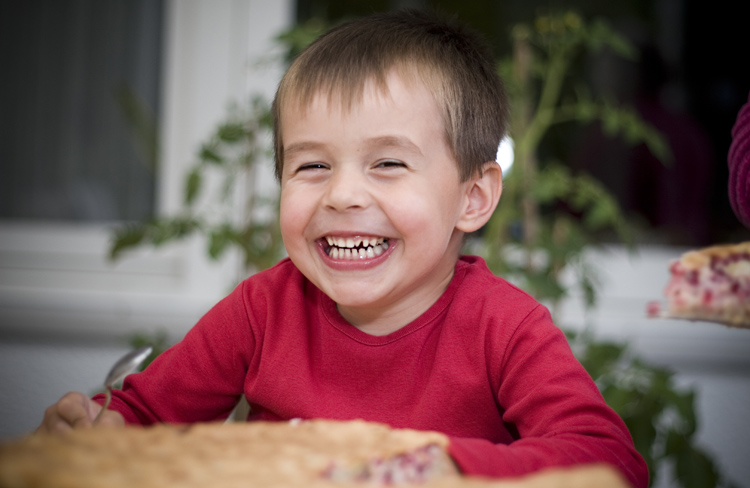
x,y
387,320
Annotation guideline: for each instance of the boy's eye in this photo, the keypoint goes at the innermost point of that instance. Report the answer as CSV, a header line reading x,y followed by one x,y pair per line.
x,y
312,166
390,163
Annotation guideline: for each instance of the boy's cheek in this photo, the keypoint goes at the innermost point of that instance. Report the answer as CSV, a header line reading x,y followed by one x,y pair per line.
x,y
292,224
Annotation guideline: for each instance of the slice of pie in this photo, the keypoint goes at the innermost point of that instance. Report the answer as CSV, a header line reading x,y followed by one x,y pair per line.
x,y
711,284
310,454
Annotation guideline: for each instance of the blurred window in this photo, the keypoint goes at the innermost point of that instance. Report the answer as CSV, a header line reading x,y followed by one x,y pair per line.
x,y
79,98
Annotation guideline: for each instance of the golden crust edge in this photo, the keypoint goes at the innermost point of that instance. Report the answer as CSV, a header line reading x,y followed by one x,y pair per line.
x,y
702,257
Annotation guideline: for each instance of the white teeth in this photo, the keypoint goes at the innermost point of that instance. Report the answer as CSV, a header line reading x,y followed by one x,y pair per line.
x,y
350,248
352,242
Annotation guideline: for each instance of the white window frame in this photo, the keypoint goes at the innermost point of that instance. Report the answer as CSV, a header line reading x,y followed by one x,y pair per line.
x,y
57,278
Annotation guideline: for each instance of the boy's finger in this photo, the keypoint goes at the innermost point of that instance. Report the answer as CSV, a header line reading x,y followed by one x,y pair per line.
x,y
52,421
61,416
74,409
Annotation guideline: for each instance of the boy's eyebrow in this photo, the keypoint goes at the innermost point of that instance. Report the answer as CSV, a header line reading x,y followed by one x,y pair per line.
x,y
299,147
374,142
394,141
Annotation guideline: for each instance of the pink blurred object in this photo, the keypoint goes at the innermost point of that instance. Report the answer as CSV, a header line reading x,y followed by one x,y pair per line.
x,y
739,166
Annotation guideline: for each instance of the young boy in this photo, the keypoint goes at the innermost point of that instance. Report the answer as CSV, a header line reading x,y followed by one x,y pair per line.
x,y
386,134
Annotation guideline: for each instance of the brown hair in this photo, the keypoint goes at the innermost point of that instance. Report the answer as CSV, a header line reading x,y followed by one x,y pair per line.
x,y
452,61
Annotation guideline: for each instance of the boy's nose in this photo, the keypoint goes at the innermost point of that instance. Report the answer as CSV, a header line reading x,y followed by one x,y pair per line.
x,y
346,190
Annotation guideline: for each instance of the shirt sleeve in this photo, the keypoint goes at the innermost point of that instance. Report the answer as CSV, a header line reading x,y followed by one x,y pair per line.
x,y
200,379
556,410
739,166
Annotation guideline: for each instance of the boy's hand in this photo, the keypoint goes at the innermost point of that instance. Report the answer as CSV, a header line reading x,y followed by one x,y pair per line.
x,y
76,411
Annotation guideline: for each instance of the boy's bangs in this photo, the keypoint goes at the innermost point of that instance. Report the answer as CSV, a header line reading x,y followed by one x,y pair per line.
x,y
342,87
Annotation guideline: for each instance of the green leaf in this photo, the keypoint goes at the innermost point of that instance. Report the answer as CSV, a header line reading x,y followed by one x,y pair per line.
x,y
218,242
603,212
642,428
600,357
230,180
301,35
695,469
658,146
552,183
601,34
126,237
231,132
586,110
618,398
166,230
544,285
676,443
193,185
209,154
220,239
265,119
589,290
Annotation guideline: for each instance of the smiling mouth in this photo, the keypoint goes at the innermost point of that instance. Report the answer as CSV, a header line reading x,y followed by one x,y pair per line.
x,y
351,248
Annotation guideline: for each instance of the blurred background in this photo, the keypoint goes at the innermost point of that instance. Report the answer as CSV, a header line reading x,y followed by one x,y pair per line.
x,y
105,104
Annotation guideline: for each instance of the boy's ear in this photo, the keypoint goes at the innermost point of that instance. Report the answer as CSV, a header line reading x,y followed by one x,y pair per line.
x,y
482,196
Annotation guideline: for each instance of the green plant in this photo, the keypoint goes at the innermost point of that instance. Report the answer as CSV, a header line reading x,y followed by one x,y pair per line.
x,y
226,172
548,214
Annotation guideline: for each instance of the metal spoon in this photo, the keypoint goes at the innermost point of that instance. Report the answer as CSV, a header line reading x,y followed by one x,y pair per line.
x,y
120,370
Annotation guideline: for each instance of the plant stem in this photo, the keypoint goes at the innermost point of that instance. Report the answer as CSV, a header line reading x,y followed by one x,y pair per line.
x,y
547,108
525,155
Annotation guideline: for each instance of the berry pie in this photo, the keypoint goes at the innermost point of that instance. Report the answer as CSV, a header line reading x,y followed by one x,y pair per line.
x,y
711,284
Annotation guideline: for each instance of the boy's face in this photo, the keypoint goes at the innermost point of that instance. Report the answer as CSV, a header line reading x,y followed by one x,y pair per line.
x,y
370,202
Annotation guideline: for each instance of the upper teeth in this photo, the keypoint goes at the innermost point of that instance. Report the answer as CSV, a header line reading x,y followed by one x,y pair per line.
x,y
349,247
352,242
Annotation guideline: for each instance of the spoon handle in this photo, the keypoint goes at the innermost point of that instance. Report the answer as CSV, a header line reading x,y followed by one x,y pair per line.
x,y
104,407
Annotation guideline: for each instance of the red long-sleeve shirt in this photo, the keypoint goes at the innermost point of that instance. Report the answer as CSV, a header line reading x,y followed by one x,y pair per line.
x,y
485,365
